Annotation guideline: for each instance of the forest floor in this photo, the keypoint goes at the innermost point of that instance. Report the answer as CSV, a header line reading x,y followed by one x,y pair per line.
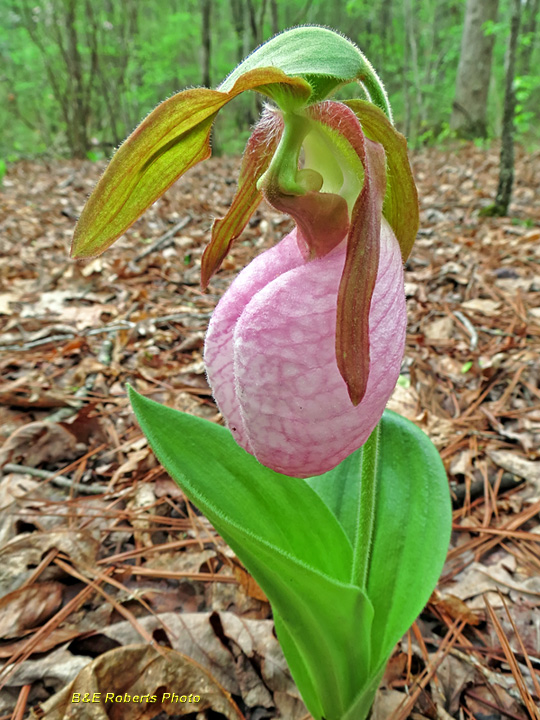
x,y
110,581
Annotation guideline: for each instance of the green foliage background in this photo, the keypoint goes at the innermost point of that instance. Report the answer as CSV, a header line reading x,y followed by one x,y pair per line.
x,y
128,56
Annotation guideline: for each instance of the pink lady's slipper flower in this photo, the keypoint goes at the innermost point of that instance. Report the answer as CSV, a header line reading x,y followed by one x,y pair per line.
x,y
271,356
304,349
302,353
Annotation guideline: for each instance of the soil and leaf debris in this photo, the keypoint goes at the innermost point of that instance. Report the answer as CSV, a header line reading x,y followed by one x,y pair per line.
x,y
107,574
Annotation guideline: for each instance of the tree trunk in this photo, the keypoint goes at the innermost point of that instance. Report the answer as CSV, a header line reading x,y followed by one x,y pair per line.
x,y
506,173
385,27
206,9
469,111
411,40
79,136
253,23
275,16
404,79
529,31
237,11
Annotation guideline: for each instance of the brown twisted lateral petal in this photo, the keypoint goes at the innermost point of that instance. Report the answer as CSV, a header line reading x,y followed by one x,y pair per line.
x,y
400,205
362,259
260,149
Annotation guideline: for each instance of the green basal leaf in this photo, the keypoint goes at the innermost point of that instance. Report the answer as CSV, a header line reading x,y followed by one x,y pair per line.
x,y
296,539
316,623
363,702
288,539
400,206
172,139
340,490
413,519
318,54
204,457
412,537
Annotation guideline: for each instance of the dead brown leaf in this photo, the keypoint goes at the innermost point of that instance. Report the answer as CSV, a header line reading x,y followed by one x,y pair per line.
x,y
37,443
19,557
455,608
137,682
250,587
29,606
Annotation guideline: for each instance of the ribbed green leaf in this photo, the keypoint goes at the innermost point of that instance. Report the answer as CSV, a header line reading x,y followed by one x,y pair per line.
x,y
340,490
361,706
412,526
412,530
295,537
288,539
229,484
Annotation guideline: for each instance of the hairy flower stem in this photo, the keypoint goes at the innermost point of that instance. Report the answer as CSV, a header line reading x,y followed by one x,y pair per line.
x,y
366,508
375,91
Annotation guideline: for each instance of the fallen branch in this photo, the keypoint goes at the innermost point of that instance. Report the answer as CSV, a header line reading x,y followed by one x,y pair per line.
x,y
164,241
58,480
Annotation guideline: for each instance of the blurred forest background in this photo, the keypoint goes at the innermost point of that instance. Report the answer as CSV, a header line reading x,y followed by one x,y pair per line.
x,y
76,76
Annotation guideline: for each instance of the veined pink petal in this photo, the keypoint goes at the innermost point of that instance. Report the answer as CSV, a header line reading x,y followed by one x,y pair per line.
x,y
271,359
218,347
